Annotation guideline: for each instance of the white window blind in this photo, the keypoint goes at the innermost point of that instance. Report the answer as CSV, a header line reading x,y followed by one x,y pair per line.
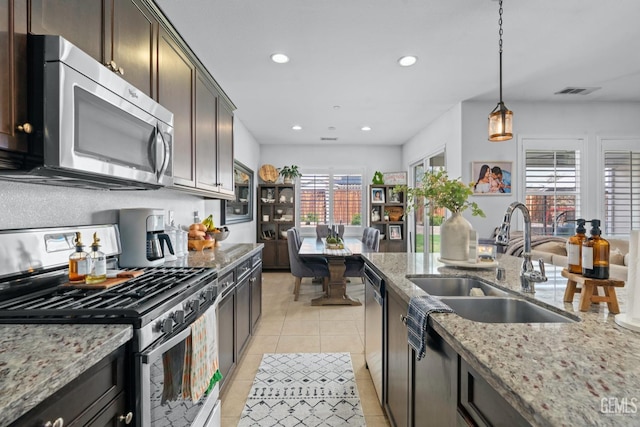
x,y
621,192
330,198
552,190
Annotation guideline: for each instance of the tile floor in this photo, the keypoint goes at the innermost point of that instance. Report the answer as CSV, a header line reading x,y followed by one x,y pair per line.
x,y
289,326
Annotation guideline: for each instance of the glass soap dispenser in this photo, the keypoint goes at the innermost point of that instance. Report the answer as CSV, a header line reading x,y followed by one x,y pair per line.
x,y
595,254
79,262
98,272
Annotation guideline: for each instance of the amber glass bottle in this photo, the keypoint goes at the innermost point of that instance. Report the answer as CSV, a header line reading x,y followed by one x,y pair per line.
x,y
574,248
79,262
595,254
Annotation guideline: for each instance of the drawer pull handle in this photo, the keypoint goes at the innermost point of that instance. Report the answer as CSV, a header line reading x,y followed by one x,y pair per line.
x,y
26,128
403,319
59,422
126,418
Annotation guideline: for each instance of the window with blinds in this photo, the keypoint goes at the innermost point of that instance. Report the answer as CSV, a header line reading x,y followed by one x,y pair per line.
x,y
621,192
552,190
330,198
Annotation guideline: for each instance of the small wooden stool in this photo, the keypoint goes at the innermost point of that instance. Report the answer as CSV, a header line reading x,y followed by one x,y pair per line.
x,y
589,290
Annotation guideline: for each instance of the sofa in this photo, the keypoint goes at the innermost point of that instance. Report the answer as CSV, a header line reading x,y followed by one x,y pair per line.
x,y
552,250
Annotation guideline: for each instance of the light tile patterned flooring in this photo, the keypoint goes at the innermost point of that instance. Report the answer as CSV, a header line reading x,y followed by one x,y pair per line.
x,y
289,326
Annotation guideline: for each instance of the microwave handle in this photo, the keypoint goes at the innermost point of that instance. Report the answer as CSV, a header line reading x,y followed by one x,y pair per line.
x,y
167,153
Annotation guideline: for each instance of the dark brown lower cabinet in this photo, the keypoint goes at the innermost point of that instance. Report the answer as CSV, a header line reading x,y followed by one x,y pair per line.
x,y
243,318
226,336
255,282
397,374
481,404
98,397
439,390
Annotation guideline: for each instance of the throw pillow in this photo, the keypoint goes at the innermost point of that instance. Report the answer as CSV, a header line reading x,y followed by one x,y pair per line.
x,y
556,248
616,257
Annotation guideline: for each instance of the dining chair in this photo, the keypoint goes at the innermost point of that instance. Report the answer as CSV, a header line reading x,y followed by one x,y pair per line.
x,y
355,265
322,231
300,268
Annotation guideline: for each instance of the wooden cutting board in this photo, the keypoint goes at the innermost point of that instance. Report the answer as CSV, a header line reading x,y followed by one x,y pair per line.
x,y
122,277
268,173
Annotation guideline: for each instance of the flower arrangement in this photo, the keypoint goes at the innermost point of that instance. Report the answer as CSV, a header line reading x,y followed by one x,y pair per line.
x,y
441,192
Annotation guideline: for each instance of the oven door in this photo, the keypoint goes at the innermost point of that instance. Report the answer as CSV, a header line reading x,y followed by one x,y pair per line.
x,y
159,380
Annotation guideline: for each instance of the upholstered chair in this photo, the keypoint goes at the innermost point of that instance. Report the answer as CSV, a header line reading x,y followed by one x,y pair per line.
x,y
301,268
355,265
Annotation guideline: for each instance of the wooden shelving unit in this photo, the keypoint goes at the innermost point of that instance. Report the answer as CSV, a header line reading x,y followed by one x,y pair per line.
x,y
276,215
394,229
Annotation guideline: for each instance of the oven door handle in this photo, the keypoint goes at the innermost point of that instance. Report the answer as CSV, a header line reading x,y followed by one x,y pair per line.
x,y
147,357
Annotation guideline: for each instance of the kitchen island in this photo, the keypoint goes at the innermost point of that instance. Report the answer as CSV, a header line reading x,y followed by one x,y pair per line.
x,y
553,374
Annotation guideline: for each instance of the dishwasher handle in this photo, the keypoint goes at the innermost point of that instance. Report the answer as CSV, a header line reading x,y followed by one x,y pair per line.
x,y
373,279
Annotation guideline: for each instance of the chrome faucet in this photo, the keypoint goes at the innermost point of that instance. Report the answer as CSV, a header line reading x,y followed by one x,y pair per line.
x,y
528,274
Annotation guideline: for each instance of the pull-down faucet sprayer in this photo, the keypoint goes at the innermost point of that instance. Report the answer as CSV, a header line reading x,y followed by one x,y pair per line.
x,y
528,274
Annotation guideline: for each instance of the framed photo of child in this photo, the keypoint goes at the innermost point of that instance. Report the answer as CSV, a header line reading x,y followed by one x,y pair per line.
x,y
491,178
377,195
395,232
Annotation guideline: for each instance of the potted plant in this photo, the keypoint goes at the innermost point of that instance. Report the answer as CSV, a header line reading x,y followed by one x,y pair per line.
x,y
437,190
289,173
386,215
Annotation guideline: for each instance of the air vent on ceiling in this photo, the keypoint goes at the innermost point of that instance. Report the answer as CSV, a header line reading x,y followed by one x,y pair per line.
x,y
326,138
577,90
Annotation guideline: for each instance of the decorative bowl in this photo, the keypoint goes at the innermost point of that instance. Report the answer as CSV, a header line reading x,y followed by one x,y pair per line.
x,y
283,234
243,200
219,236
279,211
237,211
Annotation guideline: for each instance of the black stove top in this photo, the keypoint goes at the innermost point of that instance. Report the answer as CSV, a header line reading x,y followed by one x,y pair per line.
x,y
137,301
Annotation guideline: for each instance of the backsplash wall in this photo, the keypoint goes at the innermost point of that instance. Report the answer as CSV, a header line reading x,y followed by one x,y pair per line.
x,y
33,205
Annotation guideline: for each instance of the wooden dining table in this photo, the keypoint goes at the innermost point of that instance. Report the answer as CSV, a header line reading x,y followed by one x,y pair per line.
x,y
336,294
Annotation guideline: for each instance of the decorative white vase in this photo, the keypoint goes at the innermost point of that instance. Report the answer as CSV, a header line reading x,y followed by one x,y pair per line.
x,y
454,238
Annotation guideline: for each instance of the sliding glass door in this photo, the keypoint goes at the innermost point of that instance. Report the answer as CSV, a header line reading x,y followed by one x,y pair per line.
x,y
426,228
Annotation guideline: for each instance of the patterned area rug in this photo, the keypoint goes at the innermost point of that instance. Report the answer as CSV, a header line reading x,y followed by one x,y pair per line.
x,y
303,389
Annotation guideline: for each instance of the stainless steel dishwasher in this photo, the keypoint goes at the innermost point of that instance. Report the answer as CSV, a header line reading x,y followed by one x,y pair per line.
x,y
373,331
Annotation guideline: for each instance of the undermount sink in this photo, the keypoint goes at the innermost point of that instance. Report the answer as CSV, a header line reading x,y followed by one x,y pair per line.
x,y
503,310
455,286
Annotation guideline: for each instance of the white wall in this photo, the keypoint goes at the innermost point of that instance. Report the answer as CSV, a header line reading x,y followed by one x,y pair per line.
x,y
553,120
355,157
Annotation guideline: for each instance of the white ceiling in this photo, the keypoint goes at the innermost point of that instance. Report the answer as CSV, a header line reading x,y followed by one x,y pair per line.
x,y
344,52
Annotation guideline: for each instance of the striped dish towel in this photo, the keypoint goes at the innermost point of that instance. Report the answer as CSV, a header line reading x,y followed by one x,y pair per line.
x,y
417,315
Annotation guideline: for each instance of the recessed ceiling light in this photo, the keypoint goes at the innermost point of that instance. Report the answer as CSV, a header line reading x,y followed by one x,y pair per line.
x,y
366,128
407,61
296,127
336,107
279,58
331,128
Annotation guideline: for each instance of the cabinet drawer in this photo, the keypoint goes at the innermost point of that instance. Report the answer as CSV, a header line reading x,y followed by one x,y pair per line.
x,y
83,398
226,282
482,403
243,269
256,259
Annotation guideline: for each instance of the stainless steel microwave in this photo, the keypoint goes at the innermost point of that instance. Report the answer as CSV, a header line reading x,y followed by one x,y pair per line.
x,y
90,127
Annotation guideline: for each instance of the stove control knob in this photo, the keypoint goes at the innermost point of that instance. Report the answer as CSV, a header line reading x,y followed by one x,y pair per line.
x,y
194,305
166,325
207,294
178,316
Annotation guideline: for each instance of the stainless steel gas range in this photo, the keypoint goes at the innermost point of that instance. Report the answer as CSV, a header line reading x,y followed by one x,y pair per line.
x,y
160,305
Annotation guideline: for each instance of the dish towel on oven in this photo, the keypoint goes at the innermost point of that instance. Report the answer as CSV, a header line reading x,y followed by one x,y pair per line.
x,y
214,373
201,357
417,317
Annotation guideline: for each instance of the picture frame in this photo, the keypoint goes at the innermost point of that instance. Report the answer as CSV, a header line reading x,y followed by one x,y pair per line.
x,y
492,178
394,178
395,232
377,195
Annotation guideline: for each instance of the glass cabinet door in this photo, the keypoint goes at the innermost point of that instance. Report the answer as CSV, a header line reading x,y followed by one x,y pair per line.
x,y
240,209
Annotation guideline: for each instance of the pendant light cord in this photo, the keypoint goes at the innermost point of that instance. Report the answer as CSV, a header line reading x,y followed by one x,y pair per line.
x,y
500,46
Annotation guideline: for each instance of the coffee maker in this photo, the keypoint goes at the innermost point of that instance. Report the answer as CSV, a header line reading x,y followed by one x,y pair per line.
x,y
143,237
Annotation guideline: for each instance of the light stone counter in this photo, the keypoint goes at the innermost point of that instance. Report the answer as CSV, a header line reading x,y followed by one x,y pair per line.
x,y
564,374
38,360
222,258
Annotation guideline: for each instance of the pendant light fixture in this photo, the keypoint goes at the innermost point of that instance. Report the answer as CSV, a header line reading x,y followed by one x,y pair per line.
x,y
501,118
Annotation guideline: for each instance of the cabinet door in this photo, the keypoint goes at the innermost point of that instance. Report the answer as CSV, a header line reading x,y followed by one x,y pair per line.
x,y
176,76
205,160
243,315
225,148
226,341
134,43
435,379
111,415
269,255
79,21
256,296
13,76
283,254
397,375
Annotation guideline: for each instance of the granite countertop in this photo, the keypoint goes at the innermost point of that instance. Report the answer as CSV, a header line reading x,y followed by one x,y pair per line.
x,y
222,257
38,360
554,374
